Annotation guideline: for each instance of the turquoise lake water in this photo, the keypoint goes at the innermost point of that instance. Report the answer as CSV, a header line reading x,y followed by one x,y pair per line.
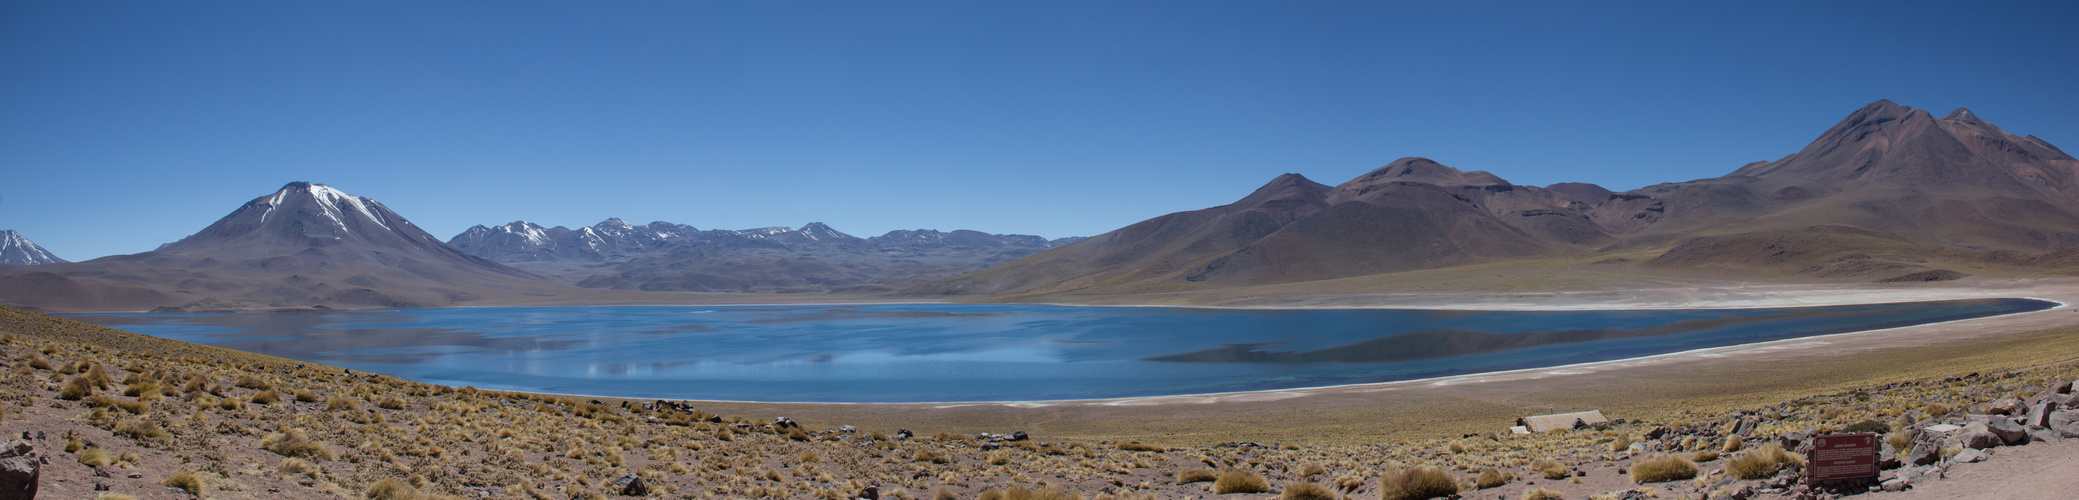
x,y
994,352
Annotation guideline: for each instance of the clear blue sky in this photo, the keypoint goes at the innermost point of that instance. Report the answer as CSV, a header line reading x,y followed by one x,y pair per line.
x,y
124,125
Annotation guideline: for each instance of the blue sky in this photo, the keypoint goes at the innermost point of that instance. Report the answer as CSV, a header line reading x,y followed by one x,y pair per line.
x,y
128,125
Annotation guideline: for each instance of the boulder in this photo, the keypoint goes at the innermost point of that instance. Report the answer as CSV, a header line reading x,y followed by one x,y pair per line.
x,y
1976,436
1019,436
2008,405
2065,423
2010,433
629,485
1968,456
2039,415
1886,458
2061,387
20,470
2036,434
870,493
1923,454
1895,485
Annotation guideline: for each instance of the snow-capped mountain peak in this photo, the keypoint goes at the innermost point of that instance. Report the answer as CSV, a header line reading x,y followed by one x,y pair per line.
x,y
18,250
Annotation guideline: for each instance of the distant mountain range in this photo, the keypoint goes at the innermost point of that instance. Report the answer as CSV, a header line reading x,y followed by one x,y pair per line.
x,y
1890,193
677,257
1872,198
305,245
18,250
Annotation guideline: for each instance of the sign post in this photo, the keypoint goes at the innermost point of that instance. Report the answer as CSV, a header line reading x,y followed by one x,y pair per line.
x,y
1843,459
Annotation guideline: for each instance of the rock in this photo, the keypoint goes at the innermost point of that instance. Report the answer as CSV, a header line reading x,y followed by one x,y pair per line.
x,y
1745,427
2036,434
1019,436
2007,405
1657,433
904,434
19,471
1968,456
2010,433
1976,436
1791,441
784,423
1895,485
2039,415
629,485
1636,447
1923,454
870,493
847,429
2065,423
1886,458
2061,387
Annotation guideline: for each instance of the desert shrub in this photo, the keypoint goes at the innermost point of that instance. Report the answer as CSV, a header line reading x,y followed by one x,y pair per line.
x,y
1704,456
390,404
76,388
37,362
1536,493
796,434
1552,469
185,481
1621,443
999,458
251,382
1759,462
1457,447
1900,441
1135,446
1732,444
295,444
1936,409
1303,490
95,457
1870,426
73,445
1491,477
1235,480
809,457
134,407
1662,469
1196,476
305,396
1417,483
99,377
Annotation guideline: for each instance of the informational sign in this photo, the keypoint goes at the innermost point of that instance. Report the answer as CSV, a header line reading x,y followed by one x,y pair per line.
x,y
1842,458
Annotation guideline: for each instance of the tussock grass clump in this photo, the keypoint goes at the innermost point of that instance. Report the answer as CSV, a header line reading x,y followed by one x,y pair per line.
x,y
1302,490
390,404
95,457
1237,480
1417,483
295,444
1552,469
1196,476
391,489
1870,426
141,429
1537,493
305,396
1020,492
249,381
933,456
1760,462
266,397
1732,443
1312,469
294,466
1704,456
1491,477
1662,469
76,388
185,481
341,404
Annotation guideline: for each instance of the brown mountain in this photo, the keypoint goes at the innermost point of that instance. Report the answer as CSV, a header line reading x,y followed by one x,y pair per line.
x,y
305,245
1411,214
1876,196
1955,181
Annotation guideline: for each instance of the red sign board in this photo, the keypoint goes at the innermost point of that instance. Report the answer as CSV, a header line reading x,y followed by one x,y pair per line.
x,y
1843,457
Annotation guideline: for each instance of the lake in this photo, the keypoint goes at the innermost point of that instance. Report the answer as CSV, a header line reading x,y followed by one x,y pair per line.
x,y
987,352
